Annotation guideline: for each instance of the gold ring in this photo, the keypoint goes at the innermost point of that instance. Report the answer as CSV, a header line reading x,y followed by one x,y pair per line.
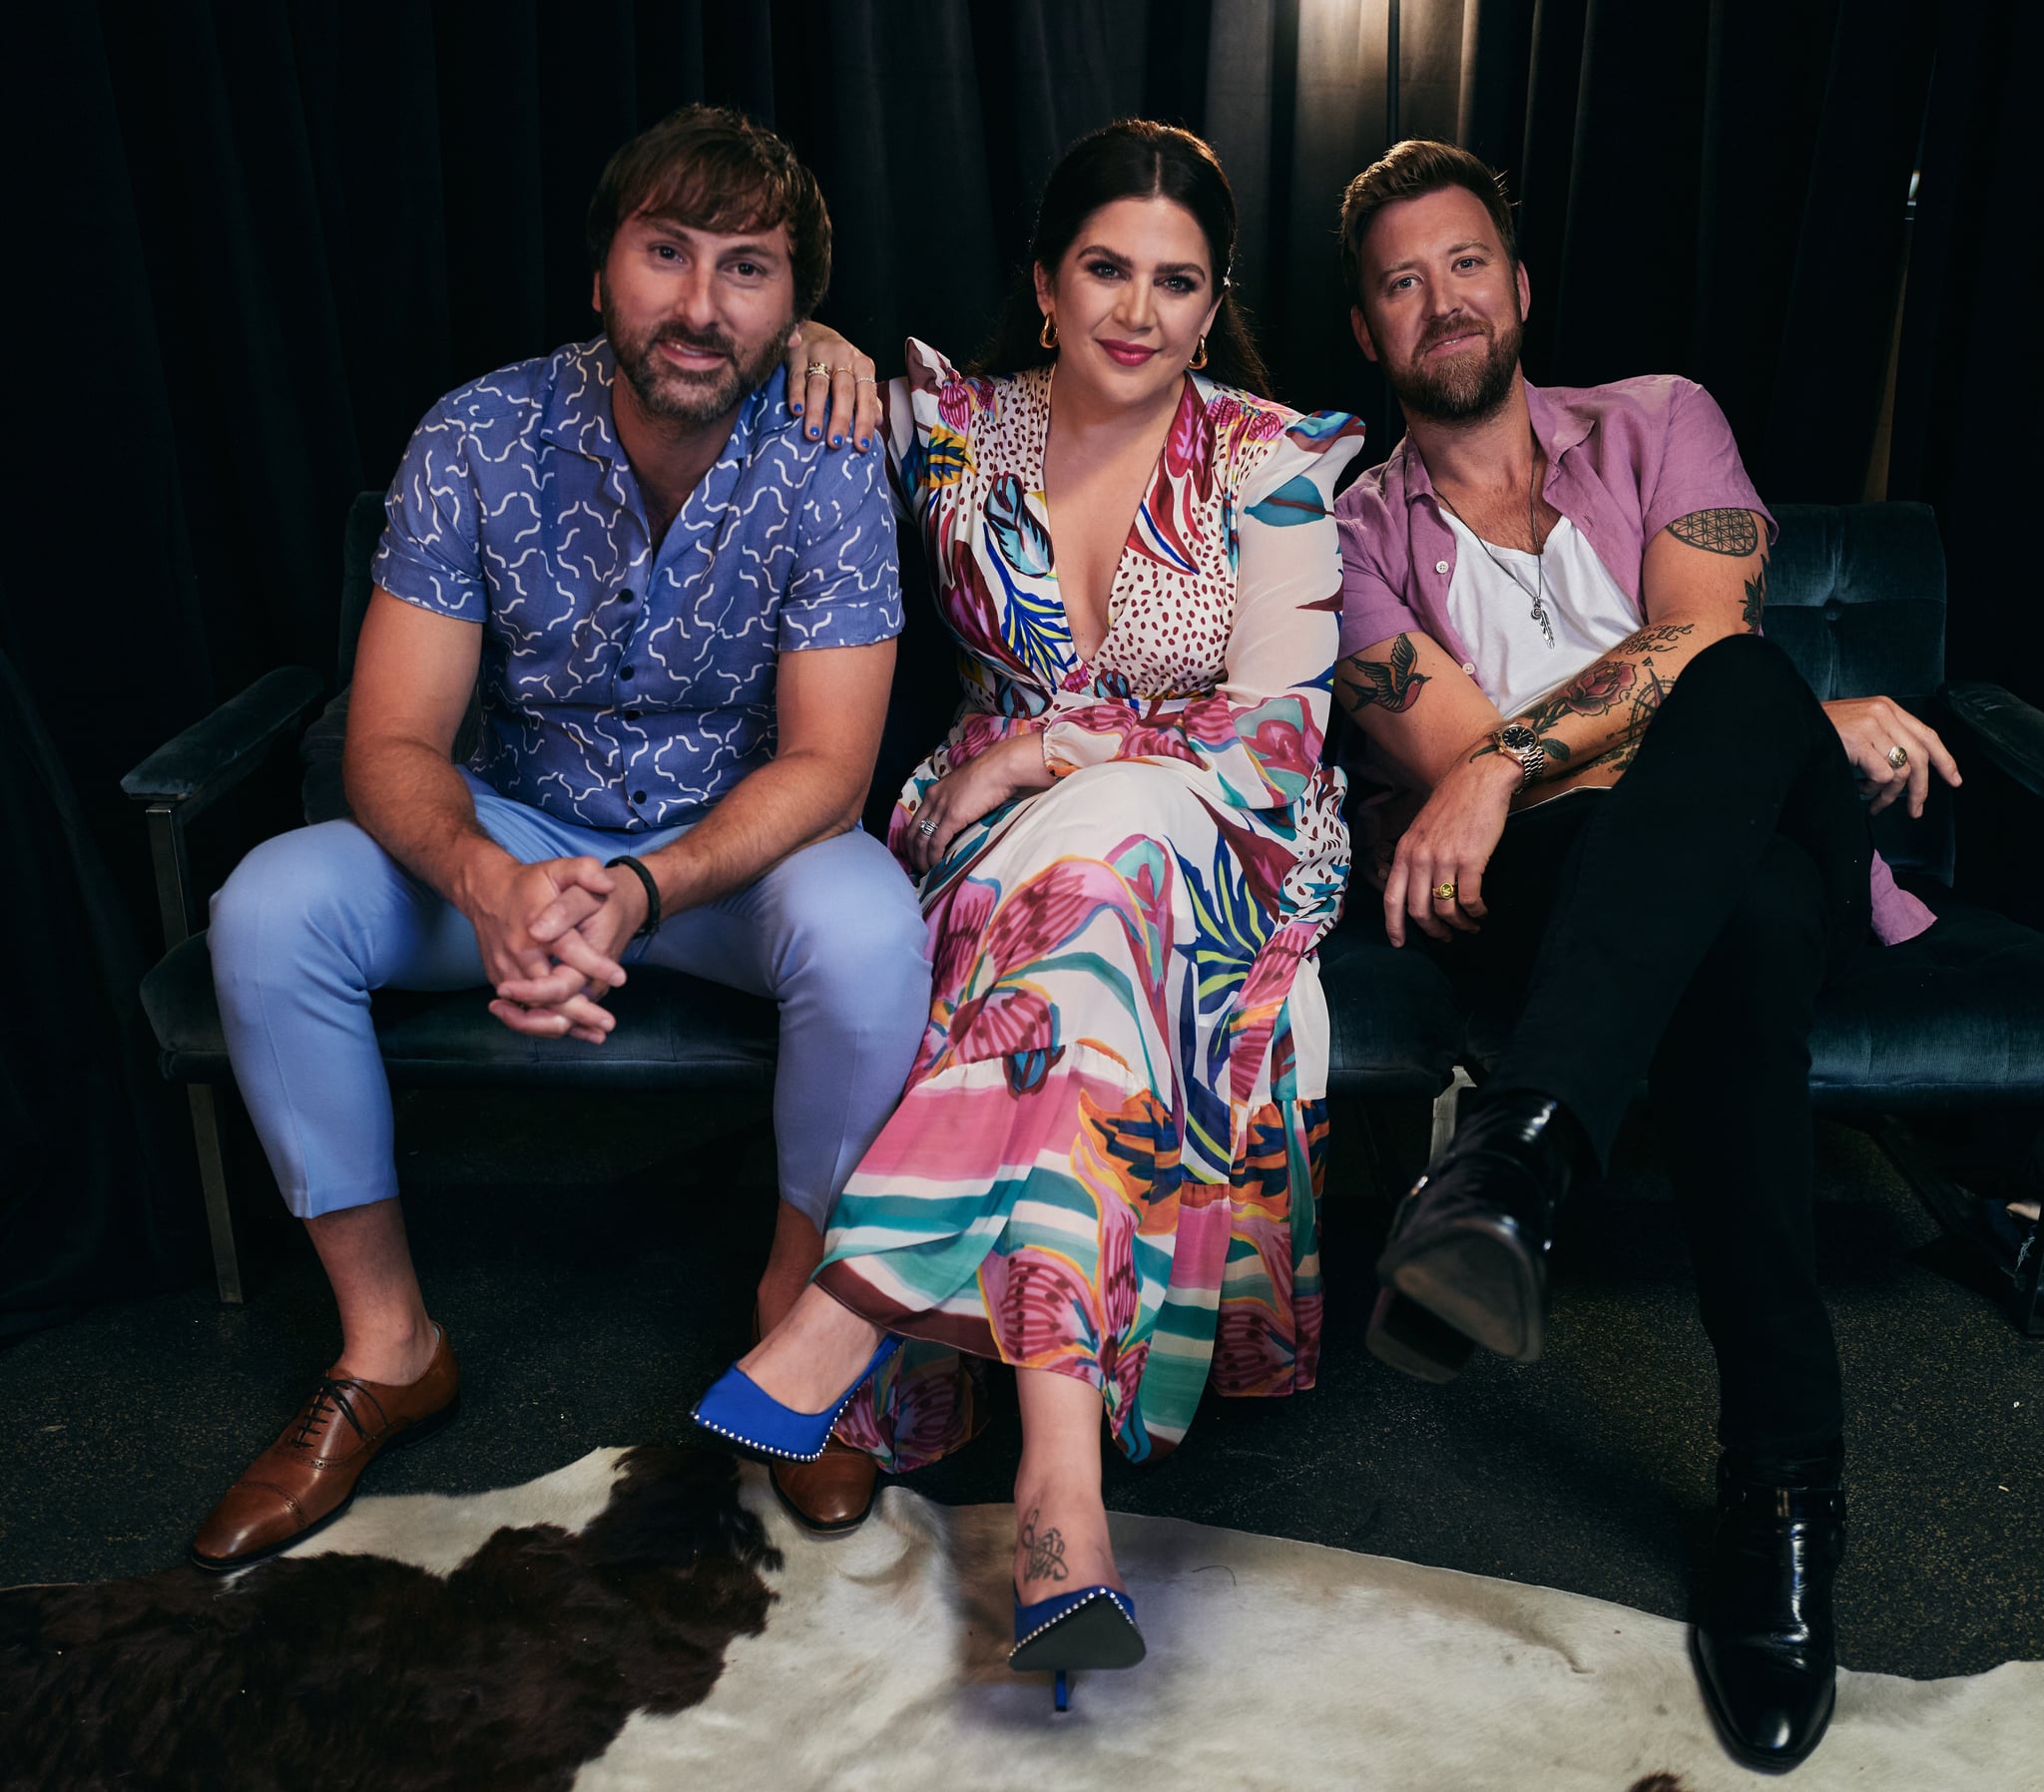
x,y
865,379
1898,758
821,370
1444,892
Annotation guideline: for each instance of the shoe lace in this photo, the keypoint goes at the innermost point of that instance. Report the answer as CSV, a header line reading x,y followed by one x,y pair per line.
x,y
332,1397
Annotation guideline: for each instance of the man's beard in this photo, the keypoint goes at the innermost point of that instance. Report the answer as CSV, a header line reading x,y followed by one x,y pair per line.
x,y
1465,387
671,395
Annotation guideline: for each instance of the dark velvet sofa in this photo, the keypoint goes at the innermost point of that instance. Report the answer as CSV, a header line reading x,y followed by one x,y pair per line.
x,y
1952,1021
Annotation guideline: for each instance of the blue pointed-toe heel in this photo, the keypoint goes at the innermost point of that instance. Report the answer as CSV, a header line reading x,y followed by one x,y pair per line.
x,y
744,1415
1093,1627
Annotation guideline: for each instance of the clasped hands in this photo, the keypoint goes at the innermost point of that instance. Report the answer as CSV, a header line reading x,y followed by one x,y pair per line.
x,y
551,935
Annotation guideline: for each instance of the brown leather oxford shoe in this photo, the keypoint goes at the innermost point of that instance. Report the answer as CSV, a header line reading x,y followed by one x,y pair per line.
x,y
307,1479
834,1493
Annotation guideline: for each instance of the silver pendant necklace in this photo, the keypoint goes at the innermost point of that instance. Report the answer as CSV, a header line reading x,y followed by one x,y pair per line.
x,y
1538,591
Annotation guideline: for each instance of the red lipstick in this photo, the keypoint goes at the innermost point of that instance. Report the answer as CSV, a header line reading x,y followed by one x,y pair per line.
x,y
1126,354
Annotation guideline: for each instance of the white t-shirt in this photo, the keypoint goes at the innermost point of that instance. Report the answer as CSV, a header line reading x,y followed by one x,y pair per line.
x,y
1492,611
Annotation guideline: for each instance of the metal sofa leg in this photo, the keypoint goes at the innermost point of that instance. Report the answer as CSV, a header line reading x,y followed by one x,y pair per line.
x,y
1446,1106
2029,1302
213,1178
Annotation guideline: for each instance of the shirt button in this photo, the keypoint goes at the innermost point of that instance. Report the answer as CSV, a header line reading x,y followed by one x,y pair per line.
x,y
637,795
631,714
625,672
625,597
1440,566
1469,667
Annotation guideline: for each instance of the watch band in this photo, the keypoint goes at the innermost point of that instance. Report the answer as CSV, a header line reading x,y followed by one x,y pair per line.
x,y
1519,742
652,922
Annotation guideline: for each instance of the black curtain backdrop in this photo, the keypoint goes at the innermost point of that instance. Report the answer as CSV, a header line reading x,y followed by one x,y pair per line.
x,y
262,238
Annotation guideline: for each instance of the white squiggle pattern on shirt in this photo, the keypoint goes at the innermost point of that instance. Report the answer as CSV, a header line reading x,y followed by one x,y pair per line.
x,y
515,508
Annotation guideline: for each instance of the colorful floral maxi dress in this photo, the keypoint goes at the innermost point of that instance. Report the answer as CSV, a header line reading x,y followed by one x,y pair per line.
x,y
1108,1160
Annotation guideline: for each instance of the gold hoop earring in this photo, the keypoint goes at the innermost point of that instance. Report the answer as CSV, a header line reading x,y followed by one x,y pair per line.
x,y
1048,335
1199,359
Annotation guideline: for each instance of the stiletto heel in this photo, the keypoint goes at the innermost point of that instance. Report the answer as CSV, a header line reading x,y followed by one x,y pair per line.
x,y
1093,1627
742,1413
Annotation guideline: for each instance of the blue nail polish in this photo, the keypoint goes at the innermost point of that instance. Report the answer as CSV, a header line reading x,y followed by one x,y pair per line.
x,y
796,408
863,444
837,441
814,433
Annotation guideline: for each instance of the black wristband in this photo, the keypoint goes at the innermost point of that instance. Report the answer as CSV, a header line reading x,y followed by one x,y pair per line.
x,y
652,922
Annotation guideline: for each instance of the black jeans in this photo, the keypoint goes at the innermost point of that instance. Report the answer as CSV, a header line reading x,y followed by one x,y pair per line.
x,y
1678,926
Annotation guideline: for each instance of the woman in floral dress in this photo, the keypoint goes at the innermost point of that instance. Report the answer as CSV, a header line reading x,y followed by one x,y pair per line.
x,y
1107,1167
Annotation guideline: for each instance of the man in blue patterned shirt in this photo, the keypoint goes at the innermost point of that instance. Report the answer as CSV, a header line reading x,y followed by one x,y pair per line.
x,y
678,611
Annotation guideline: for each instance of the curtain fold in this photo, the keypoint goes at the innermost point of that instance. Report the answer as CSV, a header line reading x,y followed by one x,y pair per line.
x,y
97,1201
1970,383
271,236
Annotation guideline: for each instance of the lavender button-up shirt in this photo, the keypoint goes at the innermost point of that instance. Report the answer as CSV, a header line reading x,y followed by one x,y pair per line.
x,y
1622,461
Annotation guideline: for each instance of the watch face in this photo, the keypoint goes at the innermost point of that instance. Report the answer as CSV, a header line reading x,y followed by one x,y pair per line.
x,y
1517,736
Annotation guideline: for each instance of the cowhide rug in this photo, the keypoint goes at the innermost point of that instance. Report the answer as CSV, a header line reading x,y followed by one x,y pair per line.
x,y
649,1619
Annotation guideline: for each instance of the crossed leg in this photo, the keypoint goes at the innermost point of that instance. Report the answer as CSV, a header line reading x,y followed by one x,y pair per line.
x,y
1061,1536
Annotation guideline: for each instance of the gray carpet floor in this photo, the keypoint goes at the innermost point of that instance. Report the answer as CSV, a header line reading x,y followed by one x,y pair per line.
x,y
594,1273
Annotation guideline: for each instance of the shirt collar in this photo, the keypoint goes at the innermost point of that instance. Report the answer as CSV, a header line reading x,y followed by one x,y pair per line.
x,y
577,418
577,413
1557,427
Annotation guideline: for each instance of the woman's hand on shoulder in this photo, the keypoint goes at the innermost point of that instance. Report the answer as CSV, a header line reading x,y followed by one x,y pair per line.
x,y
976,788
843,402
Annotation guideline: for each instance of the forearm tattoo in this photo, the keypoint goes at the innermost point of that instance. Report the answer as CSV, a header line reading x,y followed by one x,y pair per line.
x,y
1043,1552
1730,531
1624,680
1655,637
1391,685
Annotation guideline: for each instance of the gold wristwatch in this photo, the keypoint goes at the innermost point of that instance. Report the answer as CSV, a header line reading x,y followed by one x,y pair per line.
x,y
1517,741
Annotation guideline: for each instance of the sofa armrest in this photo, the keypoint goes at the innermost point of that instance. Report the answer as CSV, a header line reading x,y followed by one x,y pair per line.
x,y
2001,727
208,759
218,752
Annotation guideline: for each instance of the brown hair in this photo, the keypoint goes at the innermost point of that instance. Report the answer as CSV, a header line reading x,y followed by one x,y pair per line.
x,y
710,168
1407,170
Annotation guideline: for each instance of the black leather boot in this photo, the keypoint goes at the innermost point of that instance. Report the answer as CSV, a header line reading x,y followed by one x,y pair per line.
x,y
1470,1244
1405,1335
1765,1643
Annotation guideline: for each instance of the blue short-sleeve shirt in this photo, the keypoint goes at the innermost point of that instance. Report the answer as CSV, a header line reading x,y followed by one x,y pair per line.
x,y
629,685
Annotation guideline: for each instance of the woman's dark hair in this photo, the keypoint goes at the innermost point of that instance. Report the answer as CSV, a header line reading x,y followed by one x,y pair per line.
x,y
1131,159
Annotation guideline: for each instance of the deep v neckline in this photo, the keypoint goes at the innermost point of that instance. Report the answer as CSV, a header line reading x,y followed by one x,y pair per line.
x,y
1130,536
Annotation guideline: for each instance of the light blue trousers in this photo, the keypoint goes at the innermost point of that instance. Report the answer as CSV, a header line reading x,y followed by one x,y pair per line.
x,y
313,920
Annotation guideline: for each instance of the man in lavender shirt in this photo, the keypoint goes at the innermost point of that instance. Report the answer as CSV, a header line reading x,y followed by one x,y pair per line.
x,y
1532,578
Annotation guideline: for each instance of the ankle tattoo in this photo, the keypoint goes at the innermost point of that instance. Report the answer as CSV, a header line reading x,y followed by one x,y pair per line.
x,y
1043,1552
